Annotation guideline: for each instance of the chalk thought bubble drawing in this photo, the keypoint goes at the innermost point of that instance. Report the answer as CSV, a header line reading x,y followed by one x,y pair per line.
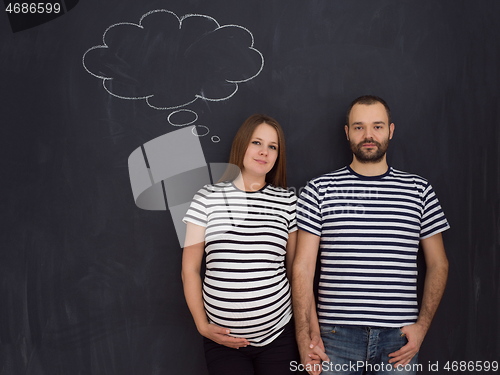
x,y
170,62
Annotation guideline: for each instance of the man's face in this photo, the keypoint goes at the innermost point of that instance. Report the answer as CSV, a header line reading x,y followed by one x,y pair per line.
x,y
369,132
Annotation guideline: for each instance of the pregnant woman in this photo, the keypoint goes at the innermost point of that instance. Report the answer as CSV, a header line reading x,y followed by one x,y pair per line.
x,y
246,226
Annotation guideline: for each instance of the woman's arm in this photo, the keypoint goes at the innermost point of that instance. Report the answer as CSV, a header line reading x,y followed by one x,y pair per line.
x,y
192,258
290,254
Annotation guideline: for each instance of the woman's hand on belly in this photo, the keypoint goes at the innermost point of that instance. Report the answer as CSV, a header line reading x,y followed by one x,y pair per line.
x,y
221,336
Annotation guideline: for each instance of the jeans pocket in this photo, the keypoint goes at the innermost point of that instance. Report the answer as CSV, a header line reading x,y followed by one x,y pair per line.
x,y
326,329
402,336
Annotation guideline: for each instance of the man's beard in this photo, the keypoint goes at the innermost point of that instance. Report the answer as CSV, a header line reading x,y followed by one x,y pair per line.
x,y
365,156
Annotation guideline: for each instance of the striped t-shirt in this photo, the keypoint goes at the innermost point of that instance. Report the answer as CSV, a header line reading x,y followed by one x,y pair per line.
x,y
245,287
370,229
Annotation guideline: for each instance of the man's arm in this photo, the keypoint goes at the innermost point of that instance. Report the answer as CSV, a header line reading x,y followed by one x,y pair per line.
x,y
306,321
435,282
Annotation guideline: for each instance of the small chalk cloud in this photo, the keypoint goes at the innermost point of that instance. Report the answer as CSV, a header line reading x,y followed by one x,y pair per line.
x,y
172,61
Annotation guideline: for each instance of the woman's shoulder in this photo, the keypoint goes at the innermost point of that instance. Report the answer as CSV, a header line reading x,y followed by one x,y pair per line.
x,y
210,189
289,193
218,186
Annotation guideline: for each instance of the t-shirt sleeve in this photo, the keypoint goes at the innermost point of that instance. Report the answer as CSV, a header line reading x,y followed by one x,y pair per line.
x,y
197,212
433,218
292,226
309,210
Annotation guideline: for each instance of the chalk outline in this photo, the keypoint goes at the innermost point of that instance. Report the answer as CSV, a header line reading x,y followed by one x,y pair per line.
x,y
182,110
197,96
200,126
189,123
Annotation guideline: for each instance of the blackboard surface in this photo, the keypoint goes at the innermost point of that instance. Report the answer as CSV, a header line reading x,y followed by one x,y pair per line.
x,y
90,283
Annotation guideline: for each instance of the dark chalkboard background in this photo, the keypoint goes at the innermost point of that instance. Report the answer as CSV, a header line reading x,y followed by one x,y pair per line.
x,y
90,283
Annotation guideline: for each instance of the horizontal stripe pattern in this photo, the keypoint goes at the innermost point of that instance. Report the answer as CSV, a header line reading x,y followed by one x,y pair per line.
x,y
245,287
370,230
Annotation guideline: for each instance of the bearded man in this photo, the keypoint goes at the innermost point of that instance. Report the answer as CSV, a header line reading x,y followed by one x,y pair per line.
x,y
366,222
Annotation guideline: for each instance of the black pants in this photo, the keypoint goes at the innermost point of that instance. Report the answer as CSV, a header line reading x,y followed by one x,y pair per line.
x,y
271,359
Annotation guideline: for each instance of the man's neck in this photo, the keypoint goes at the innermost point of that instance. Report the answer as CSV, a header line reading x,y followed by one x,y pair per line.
x,y
369,169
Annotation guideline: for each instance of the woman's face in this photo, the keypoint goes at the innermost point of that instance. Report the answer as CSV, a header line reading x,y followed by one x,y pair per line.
x,y
262,151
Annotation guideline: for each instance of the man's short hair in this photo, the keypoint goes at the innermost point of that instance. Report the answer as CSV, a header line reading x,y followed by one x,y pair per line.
x,y
368,100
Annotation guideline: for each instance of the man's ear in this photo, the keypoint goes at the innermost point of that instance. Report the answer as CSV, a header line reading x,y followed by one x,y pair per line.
x,y
346,129
391,130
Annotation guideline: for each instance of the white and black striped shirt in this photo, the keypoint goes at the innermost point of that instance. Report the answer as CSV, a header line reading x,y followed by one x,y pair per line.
x,y
245,287
370,229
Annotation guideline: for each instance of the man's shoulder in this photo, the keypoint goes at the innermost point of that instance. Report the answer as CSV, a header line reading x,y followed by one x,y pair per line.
x,y
408,177
330,176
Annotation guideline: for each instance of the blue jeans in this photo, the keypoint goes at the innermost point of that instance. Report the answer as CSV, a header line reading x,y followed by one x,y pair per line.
x,y
363,350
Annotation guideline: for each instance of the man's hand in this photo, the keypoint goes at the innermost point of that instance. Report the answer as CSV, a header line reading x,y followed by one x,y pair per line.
x,y
221,336
311,348
415,334
313,355
316,346
435,282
